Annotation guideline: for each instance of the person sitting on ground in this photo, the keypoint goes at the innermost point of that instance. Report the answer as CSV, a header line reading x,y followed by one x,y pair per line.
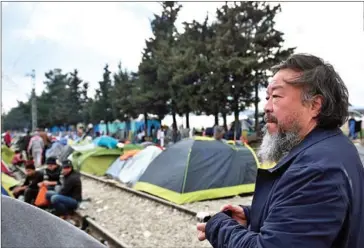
x,y
70,195
17,158
52,175
30,187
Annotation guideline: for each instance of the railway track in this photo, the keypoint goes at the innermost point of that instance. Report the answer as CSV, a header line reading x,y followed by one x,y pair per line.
x,y
139,219
143,195
116,212
89,225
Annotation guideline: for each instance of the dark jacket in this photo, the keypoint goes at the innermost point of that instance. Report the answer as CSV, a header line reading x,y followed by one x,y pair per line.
x,y
72,186
32,182
54,175
19,219
314,197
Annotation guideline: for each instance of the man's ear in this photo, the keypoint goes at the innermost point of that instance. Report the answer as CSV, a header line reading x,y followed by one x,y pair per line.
x,y
316,105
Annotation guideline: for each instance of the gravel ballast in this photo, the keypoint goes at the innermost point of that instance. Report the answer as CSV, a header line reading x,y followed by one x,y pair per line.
x,y
140,222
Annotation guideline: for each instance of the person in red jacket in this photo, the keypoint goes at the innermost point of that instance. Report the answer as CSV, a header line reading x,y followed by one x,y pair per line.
x,y
17,158
7,139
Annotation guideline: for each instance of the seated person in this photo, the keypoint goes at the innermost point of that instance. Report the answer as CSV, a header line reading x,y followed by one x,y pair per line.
x,y
17,158
52,175
30,186
70,195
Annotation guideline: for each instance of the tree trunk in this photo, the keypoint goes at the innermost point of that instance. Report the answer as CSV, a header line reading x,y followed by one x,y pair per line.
x,y
146,123
236,123
256,103
107,128
216,115
174,119
225,121
187,120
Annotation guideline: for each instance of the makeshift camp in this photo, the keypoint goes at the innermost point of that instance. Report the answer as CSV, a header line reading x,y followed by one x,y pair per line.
x,y
134,168
95,161
7,184
55,150
68,150
7,154
198,169
118,164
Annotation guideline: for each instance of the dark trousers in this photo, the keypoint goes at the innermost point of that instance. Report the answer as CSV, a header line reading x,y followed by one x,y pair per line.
x,y
30,195
62,204
43,155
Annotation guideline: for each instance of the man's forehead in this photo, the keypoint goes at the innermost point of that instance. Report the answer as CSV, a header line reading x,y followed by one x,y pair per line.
x,y
273,85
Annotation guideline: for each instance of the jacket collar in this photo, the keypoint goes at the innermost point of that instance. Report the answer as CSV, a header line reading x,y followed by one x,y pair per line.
x,y
315,136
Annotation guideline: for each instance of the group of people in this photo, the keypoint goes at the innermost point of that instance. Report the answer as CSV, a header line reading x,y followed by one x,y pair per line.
x,y
310,193
33,146
63,183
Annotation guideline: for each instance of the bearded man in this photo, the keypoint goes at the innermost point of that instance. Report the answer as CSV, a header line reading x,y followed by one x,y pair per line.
x,y
313,195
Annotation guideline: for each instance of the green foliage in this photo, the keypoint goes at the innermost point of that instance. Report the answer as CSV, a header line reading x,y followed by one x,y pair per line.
x,y
212,67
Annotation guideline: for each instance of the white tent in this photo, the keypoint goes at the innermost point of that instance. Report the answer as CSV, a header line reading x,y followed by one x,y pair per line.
x,y
134,168
116,167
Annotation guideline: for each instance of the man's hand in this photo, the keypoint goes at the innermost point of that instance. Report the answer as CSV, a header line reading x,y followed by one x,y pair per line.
x,y
46,183
201,231
19,189
237,213
16,190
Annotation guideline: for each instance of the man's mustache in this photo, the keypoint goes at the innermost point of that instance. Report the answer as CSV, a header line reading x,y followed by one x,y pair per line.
x,y
270,118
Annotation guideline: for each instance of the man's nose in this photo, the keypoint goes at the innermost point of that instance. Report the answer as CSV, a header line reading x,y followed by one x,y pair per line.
x,y
268,107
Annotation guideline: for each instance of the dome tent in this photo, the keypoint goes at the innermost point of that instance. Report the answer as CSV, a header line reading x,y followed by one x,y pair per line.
x,y
199,168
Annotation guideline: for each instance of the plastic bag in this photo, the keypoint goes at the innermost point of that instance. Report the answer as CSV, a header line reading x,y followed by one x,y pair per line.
x,y
41,199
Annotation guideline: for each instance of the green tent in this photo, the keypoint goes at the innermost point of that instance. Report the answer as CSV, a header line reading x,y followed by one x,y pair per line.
x,y
7,155
198,169
7,184
95,161
129,147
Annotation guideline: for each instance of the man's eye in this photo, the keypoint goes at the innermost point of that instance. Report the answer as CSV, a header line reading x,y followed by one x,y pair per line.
x,y
275,96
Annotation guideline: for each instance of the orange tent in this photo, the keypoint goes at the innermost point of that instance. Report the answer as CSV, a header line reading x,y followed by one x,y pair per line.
x,y
129,154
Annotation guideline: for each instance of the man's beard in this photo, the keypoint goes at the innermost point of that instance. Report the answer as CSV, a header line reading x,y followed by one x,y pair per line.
x,y
275,146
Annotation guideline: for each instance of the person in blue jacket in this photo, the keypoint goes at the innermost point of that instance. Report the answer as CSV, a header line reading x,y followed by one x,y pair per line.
x,y
313,195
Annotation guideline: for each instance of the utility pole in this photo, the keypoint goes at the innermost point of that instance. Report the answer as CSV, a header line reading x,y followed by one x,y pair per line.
x,y
34,100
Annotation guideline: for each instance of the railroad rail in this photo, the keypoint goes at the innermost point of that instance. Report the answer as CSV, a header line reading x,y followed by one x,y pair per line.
x,y
90,226
143,195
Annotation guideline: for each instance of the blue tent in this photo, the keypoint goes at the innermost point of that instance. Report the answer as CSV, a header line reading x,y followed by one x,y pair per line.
x,y
106,141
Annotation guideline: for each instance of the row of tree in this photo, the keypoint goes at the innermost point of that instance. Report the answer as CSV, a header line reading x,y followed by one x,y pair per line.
x,y
213,68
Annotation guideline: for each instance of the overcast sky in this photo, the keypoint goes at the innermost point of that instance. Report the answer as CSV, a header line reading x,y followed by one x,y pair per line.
x,y
87,35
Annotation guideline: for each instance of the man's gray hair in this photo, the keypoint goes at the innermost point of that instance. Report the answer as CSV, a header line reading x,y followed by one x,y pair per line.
x,y
320,79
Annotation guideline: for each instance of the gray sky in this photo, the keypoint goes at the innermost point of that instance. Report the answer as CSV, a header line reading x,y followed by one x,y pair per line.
x,y
47,35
